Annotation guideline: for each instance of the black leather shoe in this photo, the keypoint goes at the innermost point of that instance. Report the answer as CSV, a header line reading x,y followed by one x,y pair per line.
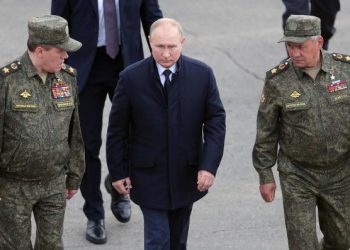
x,y
96,232
120,204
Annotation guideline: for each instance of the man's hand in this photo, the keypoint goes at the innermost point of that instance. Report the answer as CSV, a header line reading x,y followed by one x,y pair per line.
x,y
267,191
70,193
122,186
205,180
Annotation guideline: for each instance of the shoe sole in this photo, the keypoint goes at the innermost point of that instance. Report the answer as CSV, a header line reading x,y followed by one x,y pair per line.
x,y
93,240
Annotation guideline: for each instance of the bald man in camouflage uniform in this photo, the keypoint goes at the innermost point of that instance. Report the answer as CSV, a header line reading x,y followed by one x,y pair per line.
x,y
304,124
41,148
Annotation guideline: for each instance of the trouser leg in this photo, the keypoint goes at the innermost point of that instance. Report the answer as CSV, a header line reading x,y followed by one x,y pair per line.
x,y
334,212
92,101
156,229
49,215
179,221
326,10
295,7
299,203
15,216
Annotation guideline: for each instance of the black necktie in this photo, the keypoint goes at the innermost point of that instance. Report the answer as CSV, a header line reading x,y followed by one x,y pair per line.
x,y
167,82
111,28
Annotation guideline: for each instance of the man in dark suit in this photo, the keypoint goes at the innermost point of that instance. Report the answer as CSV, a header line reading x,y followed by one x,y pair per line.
x,y
110,34
165,136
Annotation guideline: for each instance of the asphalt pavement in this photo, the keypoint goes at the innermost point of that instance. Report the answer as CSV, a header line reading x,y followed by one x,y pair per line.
x,y
238,39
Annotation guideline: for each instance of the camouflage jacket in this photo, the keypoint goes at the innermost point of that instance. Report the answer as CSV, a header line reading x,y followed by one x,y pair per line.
x,y
303,122
40,133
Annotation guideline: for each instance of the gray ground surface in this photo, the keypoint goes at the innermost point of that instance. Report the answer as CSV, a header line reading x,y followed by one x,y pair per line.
x,y
238,39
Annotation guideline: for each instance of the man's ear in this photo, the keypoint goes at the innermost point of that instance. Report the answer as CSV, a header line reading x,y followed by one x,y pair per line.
x,y
320,41
183,40
39,51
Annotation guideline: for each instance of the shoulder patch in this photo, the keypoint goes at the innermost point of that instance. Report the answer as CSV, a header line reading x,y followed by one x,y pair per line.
x,y
277,69
69,69
341,57
10,68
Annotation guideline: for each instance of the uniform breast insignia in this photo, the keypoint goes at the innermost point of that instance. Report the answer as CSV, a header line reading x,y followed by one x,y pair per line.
x,y
10,68
60,90
295,94
341,57
69,69
25,94
336,86
278,69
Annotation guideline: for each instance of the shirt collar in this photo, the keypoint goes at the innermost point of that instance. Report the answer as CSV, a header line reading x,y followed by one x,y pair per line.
x,y
161,69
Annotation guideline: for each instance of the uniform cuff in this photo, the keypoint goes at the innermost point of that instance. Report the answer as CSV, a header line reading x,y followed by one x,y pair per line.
x,y
266,176
72,184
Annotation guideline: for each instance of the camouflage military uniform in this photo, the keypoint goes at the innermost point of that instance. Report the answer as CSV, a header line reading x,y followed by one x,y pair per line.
x,y
310,122
42,153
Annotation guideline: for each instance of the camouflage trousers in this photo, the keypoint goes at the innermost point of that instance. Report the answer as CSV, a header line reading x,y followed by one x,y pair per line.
x,y
18,200
329,191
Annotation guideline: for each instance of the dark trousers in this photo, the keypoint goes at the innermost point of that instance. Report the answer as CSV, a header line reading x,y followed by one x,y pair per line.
x,y
101,83
166,229
326,10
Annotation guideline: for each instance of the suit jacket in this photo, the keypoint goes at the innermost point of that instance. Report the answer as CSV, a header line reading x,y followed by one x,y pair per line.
x,y
162,146
82,17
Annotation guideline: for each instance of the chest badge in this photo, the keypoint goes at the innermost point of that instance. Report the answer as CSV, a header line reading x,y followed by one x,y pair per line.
x,y
336,86
60,90
25,94
295,94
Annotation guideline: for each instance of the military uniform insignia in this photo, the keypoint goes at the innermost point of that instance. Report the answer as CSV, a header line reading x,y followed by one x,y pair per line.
x,y
5,70
263,99
10,68
60,90
25,94
336,86
278,69
69,69
295,94
341,57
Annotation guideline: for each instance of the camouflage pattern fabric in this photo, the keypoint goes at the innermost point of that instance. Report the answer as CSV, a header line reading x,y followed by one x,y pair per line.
x,y
41,154
305,125
18,199
41,132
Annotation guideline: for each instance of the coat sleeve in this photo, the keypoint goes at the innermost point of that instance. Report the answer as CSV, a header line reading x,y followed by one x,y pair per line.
x,y
118,132
265,148
150,12
214,129
76,164
60,8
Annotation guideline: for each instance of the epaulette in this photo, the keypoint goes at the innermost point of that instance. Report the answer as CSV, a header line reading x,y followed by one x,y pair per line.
x,y
278,69
69,69
341,57
10,68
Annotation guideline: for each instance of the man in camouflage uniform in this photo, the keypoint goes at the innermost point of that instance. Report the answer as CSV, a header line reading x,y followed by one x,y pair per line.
x,y
304,123
41,148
